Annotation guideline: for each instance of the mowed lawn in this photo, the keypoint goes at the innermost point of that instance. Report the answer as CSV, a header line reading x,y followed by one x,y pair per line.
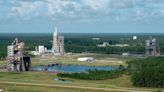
x,y
101,60
44,82
48,79
16,88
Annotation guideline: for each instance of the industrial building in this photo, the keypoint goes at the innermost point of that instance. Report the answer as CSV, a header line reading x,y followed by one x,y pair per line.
x,y
57,46
105,44
152,47
58,43
86,59
15,55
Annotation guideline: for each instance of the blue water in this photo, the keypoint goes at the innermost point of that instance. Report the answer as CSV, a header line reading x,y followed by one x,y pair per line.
x,y
72,68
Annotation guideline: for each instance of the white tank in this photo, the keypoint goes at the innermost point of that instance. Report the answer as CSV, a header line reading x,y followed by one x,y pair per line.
x,y
134,37
147,42
41,49
10,51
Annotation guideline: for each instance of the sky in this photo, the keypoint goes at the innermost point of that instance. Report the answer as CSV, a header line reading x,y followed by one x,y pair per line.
x,y
82,16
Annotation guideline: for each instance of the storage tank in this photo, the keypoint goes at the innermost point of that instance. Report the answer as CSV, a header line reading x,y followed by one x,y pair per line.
x,y
10,51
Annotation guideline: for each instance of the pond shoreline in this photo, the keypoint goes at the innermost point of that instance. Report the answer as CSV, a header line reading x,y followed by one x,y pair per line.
x,y
71,68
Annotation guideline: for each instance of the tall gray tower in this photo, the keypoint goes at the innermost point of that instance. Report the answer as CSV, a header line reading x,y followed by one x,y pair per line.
x,y
16,58
58,43
152,47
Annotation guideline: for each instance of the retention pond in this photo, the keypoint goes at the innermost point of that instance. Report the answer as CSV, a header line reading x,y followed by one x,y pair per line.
x,y
71,68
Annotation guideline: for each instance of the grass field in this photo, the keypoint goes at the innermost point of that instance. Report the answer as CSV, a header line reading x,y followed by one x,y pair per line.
x,y
43,78
101,60
44,82
16,88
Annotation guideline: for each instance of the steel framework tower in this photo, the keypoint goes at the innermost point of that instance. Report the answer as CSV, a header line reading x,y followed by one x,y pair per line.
x,y
152,47
58,42
16,58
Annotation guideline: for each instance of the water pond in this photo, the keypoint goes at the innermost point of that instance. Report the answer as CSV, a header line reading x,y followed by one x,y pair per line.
x,y
71,68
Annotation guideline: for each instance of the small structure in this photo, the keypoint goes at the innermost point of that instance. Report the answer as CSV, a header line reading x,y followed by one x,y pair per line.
x,y
135,37
87,59
41,49
125,54
120,45
96,39
152,47
105,44
17,60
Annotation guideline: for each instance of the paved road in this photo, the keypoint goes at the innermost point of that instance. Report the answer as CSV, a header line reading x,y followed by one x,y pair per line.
x,y
75,87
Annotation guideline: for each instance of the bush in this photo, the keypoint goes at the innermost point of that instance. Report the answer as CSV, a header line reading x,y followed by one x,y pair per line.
x,y
93,75
147,72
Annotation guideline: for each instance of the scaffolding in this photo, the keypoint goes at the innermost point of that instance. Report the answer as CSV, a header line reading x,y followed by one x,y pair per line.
x,y
152,47
58,43
17,61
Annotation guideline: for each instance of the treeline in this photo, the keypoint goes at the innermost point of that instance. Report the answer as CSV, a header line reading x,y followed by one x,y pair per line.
x,y
93,74
105,50
147,72
78,43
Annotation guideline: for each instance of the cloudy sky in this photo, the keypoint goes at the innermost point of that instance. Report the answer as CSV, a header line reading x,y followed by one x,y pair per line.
x,y
82,16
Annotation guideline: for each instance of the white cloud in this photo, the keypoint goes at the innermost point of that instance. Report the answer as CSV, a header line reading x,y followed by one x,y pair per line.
x,y
89,9
96,4
62,6
25,8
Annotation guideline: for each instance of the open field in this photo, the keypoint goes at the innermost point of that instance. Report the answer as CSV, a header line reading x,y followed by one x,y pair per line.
x,y
25,88
101,60
41,82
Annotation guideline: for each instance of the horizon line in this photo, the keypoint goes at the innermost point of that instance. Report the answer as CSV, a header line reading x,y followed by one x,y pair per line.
x,y
83,33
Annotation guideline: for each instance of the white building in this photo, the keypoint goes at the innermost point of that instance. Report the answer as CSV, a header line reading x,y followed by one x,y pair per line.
x,y
41,49
96,39
135,37
105,44
120,45
10,51
86,59
125,54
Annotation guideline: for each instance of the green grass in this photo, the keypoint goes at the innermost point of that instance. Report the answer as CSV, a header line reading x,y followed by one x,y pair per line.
x,y
122,82
101,60
45,78
16,88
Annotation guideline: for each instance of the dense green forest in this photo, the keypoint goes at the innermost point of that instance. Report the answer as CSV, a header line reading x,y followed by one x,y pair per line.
x,y
78,43
147,72
93,74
